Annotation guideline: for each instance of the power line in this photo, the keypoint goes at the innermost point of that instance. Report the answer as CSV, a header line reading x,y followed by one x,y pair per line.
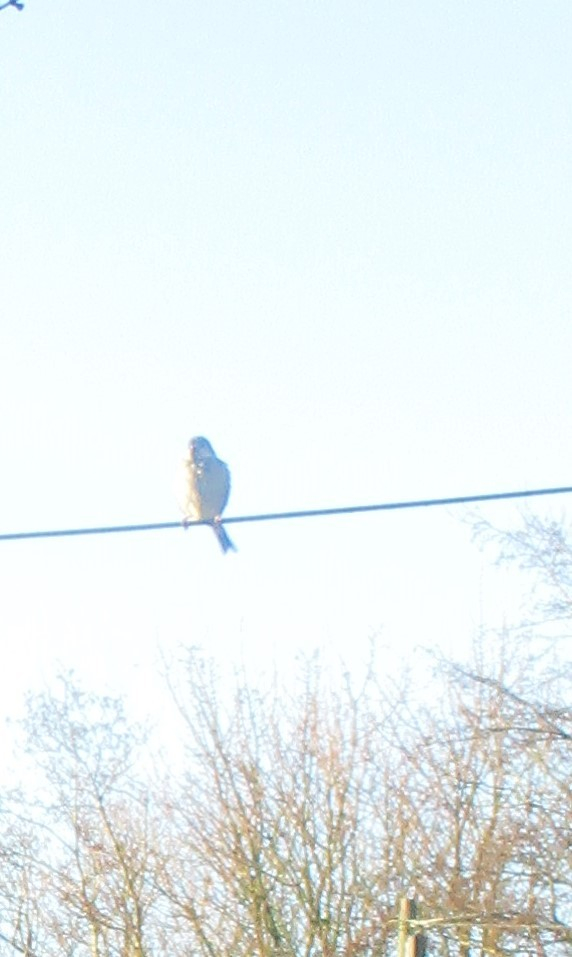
x,y
306,513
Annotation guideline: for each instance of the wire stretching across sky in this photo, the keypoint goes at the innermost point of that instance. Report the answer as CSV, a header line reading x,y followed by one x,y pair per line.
x,y
306,513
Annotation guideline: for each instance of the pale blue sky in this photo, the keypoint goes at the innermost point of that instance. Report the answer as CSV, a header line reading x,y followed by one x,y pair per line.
x,y
333,237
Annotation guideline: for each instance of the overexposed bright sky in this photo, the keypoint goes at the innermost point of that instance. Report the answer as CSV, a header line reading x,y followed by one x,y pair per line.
x,y
335,238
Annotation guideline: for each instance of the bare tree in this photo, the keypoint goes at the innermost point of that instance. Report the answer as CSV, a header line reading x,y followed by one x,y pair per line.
x,y
299,817
91,825
482,787
322,809
271,814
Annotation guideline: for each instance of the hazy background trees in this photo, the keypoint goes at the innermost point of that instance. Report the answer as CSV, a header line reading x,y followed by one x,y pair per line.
x,y
297,817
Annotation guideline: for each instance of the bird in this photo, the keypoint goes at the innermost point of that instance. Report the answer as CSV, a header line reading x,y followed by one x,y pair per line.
x,y
207,487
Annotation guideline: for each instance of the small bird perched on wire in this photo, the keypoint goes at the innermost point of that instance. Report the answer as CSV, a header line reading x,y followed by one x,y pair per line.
x,y
207,487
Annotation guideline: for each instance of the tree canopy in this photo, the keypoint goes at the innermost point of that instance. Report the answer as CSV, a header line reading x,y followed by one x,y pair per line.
x,y
298,819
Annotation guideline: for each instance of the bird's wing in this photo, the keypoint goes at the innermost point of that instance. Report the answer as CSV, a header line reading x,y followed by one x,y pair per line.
x,y
213,482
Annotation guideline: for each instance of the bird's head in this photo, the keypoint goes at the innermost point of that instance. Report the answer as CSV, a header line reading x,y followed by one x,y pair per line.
x,y
200,448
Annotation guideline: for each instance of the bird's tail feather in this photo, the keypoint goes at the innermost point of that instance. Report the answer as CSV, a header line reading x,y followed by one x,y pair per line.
x,y
224,541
